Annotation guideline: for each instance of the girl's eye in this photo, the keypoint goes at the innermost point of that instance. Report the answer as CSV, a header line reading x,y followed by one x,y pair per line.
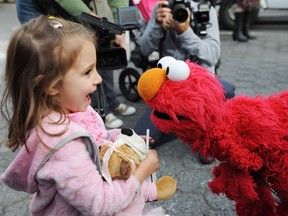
x,y
88,72
164,62
178,71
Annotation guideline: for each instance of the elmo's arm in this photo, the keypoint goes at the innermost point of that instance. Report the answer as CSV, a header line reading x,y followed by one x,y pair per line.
x,y
231,182
237,155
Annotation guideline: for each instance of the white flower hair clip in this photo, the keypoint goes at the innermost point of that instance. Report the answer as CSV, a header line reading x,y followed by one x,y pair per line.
x,y
54,23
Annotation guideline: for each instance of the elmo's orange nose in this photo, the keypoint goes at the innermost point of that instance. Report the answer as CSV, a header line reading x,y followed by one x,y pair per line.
x,y
150,82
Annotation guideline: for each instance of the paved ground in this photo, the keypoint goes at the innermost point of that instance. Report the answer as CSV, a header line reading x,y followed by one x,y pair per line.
x,y
257,67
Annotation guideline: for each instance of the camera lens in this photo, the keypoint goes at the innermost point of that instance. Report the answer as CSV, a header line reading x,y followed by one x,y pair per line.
x,y
180,14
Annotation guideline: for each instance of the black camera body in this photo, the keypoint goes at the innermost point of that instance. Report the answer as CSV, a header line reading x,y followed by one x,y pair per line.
x,y
179,9
201,17
108,55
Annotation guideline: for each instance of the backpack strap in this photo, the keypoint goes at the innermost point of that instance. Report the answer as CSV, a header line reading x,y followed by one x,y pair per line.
x,y
90,146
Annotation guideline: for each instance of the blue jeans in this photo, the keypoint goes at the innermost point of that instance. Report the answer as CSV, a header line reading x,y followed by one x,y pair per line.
x,y
26,10
109,93
111,100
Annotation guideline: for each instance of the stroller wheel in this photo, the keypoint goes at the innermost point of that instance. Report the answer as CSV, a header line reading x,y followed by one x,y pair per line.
x,y
128,81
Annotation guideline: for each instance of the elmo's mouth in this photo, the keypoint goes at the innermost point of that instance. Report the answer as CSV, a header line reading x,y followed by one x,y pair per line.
x,y
165,116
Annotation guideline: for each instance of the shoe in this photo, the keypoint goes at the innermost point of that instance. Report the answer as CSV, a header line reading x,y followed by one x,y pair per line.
x,y
246,25
111,121
125,110
237,33
204,160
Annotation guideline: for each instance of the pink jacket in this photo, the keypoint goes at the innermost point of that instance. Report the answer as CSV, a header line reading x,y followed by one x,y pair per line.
x,y
69,183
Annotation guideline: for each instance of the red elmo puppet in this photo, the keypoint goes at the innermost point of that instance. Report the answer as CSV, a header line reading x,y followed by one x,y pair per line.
x,y
248,136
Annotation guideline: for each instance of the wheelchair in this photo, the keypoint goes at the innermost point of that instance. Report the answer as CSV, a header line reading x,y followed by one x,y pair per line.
x,y
128,78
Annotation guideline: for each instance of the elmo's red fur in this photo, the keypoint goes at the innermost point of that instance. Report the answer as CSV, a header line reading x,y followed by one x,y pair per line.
x,y
249,136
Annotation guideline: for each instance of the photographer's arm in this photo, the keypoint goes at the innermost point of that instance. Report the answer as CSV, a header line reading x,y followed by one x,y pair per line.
x,y
108,9
153,33
169,23
114,4
207,49
74,7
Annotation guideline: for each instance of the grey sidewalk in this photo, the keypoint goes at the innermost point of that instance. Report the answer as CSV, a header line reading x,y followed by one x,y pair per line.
x,y
257,67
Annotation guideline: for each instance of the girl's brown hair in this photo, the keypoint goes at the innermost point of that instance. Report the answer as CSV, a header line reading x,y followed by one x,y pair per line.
x,y
39,54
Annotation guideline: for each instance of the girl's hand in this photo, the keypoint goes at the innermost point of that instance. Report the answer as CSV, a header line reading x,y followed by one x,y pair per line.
x,y
148,166
151,140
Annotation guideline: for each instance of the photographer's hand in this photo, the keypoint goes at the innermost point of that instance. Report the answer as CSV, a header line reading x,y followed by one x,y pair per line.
x,y
169,23
120,40
163,10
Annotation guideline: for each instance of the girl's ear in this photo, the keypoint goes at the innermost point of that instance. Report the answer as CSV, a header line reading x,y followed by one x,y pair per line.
x,y
51,91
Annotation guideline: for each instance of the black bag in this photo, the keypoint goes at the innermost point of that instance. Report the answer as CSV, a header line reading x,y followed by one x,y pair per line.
x,y
237,1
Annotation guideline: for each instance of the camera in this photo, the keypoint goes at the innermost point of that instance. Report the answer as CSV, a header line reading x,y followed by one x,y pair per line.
x,y
179,9
108,55
200,19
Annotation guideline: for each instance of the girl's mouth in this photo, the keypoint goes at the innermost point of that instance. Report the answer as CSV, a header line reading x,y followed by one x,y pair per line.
x,y
88,99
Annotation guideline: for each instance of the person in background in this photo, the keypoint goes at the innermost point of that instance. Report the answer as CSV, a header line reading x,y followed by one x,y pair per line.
x,y
243,11
108,8
26,10
71,10
50,73
179,39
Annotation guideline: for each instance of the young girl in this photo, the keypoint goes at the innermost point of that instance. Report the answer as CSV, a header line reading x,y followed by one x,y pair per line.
x,y
50,72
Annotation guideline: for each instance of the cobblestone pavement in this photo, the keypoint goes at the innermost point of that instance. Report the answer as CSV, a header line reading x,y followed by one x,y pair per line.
x,y
256,67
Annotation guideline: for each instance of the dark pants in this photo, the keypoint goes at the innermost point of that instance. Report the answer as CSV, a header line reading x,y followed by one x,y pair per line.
x,y
111,100
160,138
107,99
26,10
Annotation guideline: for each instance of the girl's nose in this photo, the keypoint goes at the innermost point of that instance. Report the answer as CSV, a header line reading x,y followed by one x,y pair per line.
x,y
150,82
97,78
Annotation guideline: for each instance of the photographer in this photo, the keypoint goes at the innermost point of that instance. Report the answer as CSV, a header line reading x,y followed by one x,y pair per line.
x,y
178,39
187,38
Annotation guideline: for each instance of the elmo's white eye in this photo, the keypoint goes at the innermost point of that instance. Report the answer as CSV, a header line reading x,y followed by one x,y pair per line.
x,y
178,71
165,62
